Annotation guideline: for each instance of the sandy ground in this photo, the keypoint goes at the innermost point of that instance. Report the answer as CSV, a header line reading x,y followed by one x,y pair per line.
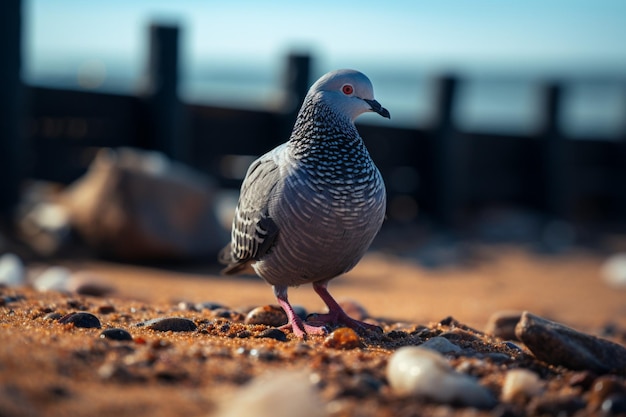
x,y
568,288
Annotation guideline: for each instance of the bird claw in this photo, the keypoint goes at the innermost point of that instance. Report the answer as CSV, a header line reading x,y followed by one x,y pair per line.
x,y
342,319
301,330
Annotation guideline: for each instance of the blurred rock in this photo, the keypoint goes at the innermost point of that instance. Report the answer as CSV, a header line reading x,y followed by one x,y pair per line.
x,y
520,384
557,344
54,278
502,324
614,270
276,394
12,272
418,371
137,205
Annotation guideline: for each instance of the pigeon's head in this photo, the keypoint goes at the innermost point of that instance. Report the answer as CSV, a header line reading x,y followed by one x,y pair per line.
x,y
348,92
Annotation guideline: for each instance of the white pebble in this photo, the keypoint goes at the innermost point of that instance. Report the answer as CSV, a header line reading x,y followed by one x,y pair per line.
x,y
441,345
614,270
419,371
276,394
520,382
11,270
54,278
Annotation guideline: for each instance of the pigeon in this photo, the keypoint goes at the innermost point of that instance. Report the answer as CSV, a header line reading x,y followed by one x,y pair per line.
x,y
309,209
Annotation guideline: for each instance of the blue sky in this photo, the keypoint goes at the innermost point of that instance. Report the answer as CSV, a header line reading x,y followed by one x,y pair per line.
x,y
562,34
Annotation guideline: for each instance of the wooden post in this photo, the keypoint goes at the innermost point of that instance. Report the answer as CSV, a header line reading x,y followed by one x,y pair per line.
x,y
296,84
11,106
554,192
448,155
164,109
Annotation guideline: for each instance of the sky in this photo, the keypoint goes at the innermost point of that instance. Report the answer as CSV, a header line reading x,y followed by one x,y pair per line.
x,y
562,34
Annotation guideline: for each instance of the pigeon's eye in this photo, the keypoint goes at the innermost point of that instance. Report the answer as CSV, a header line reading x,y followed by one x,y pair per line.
x,y
347,89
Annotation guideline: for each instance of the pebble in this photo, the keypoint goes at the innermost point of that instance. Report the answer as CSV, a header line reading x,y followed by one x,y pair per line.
x,y
502,324
520,383
81,319
560,345
12,272
269,315
276,394
273,333
614,405
52,316
441,345
614,270
116,334
354,309
54,278
604,387
169,324
418,371
343,338
86,283
555,405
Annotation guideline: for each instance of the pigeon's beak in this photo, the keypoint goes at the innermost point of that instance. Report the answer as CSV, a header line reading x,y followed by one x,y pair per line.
x,y
376,107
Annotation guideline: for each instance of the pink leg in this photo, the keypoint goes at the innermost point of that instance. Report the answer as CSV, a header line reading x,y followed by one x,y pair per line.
x,y
335,314
299,328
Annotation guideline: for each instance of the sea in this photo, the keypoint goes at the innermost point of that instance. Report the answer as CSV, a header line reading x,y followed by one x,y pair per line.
x,y
489,100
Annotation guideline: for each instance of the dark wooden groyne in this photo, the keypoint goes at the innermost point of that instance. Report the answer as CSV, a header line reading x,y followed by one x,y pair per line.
x,y
438,170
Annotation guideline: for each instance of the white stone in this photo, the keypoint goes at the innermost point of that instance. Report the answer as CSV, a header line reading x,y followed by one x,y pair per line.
x,y
11,270
520,382
423,372
54,278
614,270
276,394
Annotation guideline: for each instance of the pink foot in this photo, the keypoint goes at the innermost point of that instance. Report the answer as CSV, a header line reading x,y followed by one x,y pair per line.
x,y
335,314
299,328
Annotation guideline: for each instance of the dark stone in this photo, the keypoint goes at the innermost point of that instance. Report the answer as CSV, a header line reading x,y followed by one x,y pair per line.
x,y
614,405
273,333
81,319
116,334
552,405
502,324
560,345
169,324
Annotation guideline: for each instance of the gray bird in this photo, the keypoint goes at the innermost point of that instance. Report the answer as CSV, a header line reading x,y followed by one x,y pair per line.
x,y
310,208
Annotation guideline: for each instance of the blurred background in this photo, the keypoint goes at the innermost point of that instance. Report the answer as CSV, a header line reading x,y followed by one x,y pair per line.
x,y
508,119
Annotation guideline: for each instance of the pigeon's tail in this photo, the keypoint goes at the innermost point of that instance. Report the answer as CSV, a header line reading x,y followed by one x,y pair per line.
x,y
233,266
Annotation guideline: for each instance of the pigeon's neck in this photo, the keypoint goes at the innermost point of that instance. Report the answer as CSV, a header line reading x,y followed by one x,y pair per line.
x,y
329,145
320,128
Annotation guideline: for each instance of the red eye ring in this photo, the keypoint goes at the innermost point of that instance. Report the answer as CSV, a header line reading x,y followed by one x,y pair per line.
x,y
347,89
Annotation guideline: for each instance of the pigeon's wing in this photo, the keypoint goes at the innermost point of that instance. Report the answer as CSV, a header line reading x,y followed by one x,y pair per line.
x,y
254,231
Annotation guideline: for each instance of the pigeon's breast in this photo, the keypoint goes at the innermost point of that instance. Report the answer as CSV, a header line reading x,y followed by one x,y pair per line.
x,y
327,216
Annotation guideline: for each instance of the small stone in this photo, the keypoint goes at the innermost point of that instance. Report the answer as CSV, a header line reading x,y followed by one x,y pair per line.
x,y
54,278
343,338
502,324
557,344
269,315
354,309
169,324
273,333
85,283
614,270
208,305
11,270
81,319
106,309
423,372
520,383
52,316
602,388
116,334
614,405
276,394
441,345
